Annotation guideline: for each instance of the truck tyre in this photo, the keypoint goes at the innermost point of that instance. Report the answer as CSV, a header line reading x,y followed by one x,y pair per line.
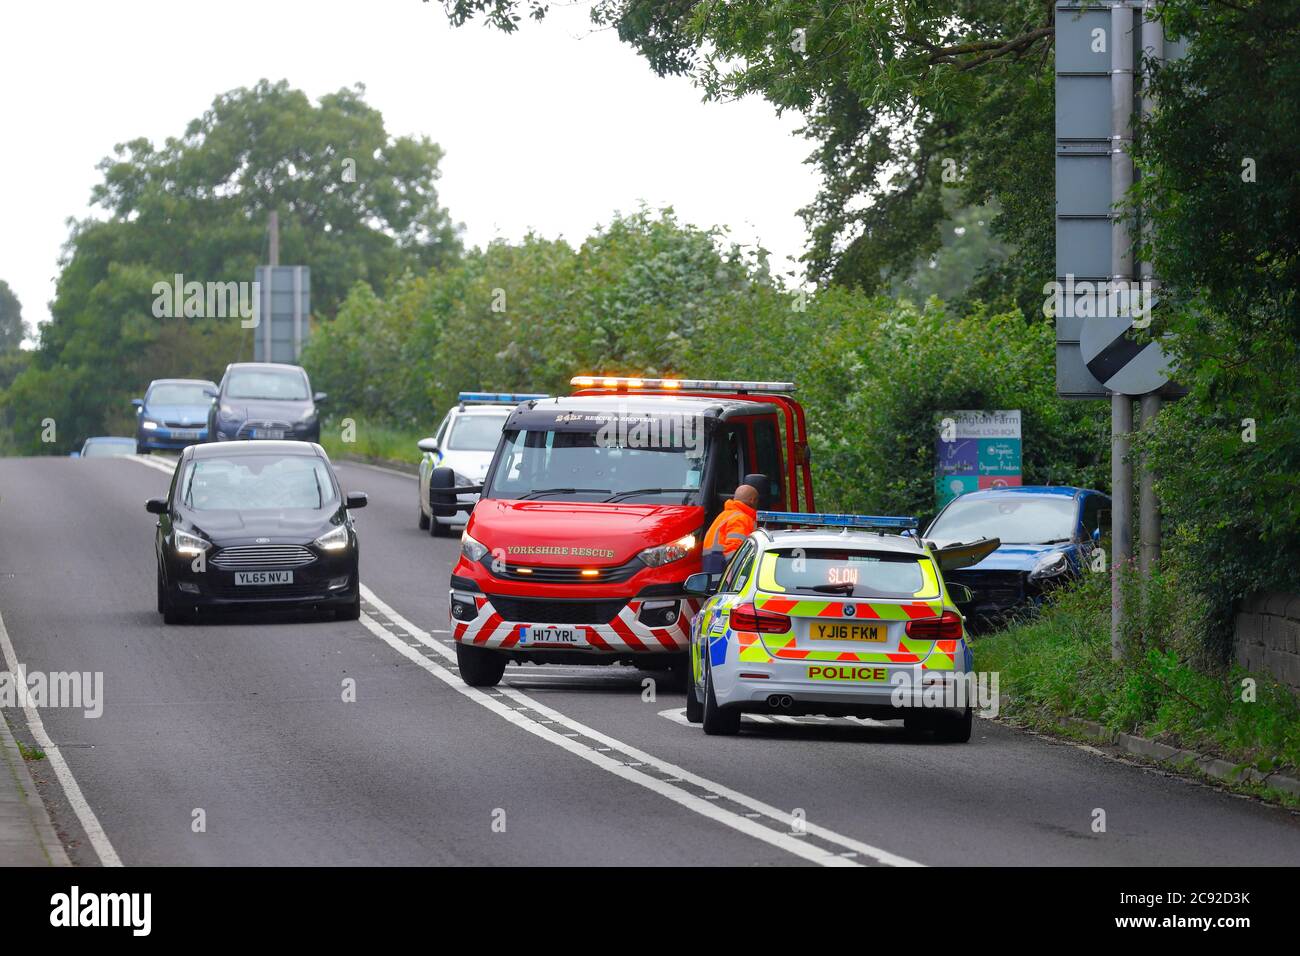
x,y
480,667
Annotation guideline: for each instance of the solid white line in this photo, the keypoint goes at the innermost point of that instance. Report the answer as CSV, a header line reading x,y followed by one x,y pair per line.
x,y
684,798
784,840
363,464
156,464
89,822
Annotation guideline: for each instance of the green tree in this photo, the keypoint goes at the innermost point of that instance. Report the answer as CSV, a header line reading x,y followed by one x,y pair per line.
x,y
904,99
198,205
12,327
1221,189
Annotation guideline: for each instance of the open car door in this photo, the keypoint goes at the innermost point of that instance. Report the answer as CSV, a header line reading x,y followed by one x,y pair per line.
x,y
953,557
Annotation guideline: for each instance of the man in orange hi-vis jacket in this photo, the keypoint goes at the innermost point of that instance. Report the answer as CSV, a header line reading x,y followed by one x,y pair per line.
x,y
731,527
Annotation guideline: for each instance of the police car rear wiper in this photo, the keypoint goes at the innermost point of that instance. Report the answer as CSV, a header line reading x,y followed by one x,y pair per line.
x,y
844,587
649,491
563,491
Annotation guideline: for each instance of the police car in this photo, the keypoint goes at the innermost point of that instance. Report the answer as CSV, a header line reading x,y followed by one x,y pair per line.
x,y
835,615
464,442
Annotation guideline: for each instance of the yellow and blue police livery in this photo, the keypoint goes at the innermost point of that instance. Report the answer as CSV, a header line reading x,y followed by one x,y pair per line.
x,y
835,615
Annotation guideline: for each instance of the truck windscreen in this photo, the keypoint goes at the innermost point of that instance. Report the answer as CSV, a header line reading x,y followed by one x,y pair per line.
x,y
584,466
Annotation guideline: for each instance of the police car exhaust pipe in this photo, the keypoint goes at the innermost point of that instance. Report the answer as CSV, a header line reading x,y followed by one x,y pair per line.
x,y
780,701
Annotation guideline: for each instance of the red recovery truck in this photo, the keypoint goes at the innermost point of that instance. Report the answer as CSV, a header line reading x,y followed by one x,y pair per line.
x,y
592,514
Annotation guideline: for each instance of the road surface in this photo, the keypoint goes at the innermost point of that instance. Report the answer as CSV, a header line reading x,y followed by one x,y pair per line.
x,y
236,743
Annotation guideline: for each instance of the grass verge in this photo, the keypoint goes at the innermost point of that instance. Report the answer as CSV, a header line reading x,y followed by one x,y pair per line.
x,y
1058,664
370,440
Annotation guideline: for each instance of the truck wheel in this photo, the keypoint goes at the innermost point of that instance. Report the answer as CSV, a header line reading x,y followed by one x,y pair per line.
x,y
953,728
480,667
718,721
424,520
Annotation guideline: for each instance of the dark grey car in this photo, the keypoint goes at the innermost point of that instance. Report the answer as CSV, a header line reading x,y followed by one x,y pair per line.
x,y
265,400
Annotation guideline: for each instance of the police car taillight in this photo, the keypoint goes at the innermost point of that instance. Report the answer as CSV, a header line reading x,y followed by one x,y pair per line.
x,y
945,627
746,617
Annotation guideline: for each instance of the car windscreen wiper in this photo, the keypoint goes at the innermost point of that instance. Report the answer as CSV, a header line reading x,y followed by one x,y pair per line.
x,y
650,491
844,587
562,491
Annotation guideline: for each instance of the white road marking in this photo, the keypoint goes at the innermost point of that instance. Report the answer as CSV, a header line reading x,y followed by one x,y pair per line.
x,y
158,464
668,788
89,822
387,471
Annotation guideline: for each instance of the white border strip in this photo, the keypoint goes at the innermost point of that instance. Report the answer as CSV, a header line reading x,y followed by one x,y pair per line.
x,y
89,822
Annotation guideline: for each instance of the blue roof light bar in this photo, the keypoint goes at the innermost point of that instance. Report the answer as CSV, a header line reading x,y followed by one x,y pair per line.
x,y
880,522
499,398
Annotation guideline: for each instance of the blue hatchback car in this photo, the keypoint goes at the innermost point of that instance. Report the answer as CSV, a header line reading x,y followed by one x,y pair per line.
x,y
1047,535
173,414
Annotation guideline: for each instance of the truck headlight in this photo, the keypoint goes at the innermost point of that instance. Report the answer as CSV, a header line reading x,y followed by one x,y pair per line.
x,y
336,539
667,553
1051,565
189,544
474,550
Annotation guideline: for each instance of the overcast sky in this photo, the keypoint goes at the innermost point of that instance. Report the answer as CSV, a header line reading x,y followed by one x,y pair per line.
x,y
552,128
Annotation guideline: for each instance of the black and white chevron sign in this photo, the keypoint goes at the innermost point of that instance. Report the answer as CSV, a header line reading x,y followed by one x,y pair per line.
x,y
1120,362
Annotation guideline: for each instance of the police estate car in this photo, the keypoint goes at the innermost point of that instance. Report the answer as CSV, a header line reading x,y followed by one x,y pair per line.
x,y
464,442
833,618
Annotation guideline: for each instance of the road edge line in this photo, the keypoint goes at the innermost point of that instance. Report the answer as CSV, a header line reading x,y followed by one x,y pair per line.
x,y
95,833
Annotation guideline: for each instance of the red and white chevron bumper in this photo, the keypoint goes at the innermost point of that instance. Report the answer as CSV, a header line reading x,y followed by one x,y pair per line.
x,y
624,634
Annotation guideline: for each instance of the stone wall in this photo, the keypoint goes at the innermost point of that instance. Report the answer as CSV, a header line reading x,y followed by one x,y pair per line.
x,y
1267,636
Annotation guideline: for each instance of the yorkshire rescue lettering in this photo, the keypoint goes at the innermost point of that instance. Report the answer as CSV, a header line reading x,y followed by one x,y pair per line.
x,y
846,672
560,550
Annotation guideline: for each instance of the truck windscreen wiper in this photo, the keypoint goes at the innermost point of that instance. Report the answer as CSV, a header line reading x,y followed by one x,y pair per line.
x,y
563,491
650,491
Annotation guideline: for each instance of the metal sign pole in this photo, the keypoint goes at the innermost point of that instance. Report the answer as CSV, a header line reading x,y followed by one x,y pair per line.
x,y
1121,272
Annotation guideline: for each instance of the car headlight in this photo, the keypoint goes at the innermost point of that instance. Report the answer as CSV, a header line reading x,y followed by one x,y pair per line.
x,y
308,417
666,553
474,550
1051,565
462,481
148,425
227,414
336,539
186,543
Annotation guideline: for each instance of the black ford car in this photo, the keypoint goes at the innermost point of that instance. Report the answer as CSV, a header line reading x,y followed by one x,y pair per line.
x,y
256,523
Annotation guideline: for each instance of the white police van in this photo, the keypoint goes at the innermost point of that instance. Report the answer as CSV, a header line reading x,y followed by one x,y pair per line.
x,y
464,442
